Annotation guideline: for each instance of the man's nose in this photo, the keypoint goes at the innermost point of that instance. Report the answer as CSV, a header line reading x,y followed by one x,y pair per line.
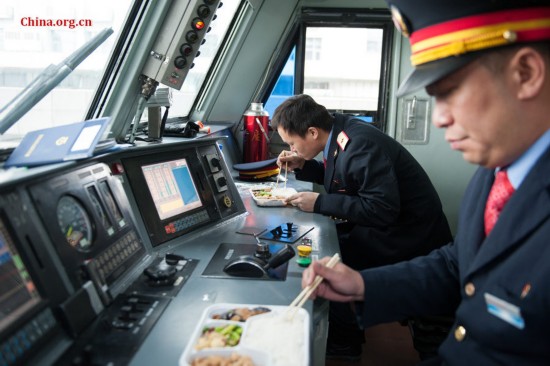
x,y
441,117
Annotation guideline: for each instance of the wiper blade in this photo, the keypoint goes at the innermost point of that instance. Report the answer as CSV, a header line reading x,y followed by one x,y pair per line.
x,y
48,79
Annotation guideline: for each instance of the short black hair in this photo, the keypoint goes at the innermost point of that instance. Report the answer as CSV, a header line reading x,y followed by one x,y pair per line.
x,y
300,112
495,59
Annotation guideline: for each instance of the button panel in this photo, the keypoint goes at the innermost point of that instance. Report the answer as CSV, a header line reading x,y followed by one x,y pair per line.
x,y
112,258
15,347
187,222
187,23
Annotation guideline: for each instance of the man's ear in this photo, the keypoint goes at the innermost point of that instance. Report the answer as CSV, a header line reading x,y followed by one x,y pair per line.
x,y
313,131
529,71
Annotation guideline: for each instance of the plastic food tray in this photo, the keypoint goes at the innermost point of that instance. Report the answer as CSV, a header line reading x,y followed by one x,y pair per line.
x,y
270,356
270,201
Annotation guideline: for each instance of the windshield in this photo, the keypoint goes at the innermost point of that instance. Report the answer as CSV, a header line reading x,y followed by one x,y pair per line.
x,y
36,34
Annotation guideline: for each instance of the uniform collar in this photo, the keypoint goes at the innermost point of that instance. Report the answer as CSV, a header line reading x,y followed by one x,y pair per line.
x,y
519,169
327,145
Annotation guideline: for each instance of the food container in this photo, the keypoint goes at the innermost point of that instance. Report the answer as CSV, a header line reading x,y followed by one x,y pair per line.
x,y
265,197
272,338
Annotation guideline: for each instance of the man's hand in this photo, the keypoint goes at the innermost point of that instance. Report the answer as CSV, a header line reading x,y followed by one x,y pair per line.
x,y
340,283
289,160
305,201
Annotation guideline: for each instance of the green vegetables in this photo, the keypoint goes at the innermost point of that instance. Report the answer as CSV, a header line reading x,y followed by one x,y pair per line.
x,y
263,193
231,333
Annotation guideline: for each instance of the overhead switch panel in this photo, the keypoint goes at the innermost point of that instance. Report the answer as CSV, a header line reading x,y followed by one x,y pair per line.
x,y
179,40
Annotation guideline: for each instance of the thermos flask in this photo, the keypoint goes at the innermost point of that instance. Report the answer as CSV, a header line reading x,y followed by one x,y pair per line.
x,y
255,137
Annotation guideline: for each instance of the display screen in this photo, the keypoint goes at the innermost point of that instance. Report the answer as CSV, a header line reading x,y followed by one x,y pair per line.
x,y
171,187
17,291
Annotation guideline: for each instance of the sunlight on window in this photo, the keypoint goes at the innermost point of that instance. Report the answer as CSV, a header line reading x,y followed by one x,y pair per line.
x,y
342,67
35,34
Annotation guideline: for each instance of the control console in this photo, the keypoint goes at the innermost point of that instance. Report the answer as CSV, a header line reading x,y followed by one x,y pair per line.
x,y
180,190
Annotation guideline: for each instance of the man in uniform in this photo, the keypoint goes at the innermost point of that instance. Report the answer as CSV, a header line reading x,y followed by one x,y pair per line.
x,y
386,207
487,65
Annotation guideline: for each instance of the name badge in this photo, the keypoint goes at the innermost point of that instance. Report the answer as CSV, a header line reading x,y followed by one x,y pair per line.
x,y
510,313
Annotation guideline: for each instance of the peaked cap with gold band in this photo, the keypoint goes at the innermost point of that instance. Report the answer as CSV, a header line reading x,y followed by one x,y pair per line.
x,y
448,34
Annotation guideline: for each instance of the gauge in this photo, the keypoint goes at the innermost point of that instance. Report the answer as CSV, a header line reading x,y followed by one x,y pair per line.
x,y
74,223
111,204
100,211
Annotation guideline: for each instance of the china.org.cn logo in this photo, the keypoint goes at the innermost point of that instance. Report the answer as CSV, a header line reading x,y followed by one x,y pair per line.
x,y
41,22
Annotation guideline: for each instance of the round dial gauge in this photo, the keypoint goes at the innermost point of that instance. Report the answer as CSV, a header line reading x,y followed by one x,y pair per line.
x,y
74,223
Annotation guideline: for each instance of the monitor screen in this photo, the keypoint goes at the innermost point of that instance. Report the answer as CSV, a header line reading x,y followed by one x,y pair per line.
x,y
18,293
171,187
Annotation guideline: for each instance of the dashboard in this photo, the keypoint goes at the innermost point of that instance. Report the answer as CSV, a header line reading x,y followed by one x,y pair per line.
x,y
82,247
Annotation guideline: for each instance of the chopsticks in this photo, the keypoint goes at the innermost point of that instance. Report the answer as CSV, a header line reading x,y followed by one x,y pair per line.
x,y
300,300
286,172
279,175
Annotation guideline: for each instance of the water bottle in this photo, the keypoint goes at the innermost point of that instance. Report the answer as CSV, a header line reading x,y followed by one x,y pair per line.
x,y
255,138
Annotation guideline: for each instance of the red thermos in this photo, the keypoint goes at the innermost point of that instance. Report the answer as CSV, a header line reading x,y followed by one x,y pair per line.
x,y
255,133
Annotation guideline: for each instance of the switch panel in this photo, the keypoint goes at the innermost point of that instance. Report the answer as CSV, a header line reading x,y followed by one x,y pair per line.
x,y
178,41
213,162
221,181
415,121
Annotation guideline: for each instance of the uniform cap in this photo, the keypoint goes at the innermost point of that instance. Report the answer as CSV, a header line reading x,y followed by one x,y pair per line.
x,y
447,34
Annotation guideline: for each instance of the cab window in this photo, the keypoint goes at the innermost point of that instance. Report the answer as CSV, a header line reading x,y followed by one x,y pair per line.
x,y
341,58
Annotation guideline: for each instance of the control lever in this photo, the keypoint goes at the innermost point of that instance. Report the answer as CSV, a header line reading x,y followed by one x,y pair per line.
x,y
281,257
262,249
251,266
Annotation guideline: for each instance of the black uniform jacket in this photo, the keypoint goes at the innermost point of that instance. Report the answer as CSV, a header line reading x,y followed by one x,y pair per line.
x,y
392,209
502,281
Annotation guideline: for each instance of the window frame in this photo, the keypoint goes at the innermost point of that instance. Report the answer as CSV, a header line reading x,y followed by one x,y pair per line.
x,y
118,55
338,17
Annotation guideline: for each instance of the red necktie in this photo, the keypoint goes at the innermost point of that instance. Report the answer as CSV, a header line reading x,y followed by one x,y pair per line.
x,y
500,194
325,162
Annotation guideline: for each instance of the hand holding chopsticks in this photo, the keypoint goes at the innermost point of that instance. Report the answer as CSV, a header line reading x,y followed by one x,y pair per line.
x,y
300,300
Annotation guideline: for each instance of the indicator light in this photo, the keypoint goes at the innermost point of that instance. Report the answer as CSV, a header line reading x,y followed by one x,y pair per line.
x,y
186,49
203,11
198,24
180,62
192,36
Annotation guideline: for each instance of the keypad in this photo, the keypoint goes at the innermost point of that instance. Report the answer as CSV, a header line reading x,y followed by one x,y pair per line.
x,y
116,254
15,347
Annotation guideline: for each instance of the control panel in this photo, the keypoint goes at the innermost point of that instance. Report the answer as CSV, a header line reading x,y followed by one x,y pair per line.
x,y
178,42
26,321
115,335
180,190
78,274
87,218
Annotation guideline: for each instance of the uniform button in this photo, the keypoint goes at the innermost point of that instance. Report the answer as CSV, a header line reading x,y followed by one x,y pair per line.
x,y
470,289
460,333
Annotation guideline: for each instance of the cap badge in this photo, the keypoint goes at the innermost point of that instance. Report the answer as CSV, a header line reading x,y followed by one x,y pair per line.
x,y
399,21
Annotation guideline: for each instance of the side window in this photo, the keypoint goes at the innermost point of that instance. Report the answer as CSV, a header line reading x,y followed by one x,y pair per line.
x,y
341,62
284,87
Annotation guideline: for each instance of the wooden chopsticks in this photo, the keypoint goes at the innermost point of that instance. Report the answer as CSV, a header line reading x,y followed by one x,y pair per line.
x,y
279,175
300,300
286,172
